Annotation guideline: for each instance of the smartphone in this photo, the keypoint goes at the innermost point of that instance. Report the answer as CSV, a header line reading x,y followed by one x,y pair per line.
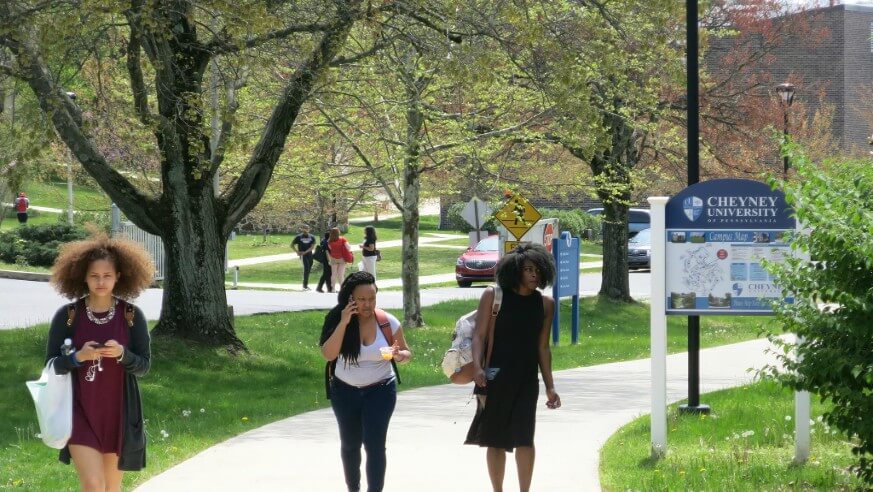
x,y
98,345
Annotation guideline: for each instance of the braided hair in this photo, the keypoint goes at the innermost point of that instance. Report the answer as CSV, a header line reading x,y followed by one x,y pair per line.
x,y
351,346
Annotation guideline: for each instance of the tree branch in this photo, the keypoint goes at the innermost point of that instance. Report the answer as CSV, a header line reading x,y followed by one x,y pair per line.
x,y
491,134
66,118
134,67
251,184
226,46
373,169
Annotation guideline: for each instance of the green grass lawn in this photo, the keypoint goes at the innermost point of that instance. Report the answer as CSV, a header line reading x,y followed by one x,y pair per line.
x,y
280,377
430,261
34,217
746,444
54,195
23,268
588,247
250,245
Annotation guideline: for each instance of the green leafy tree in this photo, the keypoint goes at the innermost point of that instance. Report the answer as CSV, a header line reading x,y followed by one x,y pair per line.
x,y
833,311
600,70
419,108
164,49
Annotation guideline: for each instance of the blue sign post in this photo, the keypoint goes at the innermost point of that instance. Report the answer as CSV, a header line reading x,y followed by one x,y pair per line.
x,y
566,252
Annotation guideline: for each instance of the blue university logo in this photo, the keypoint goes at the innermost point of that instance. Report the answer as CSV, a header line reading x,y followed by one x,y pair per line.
x,y
738,289
693,207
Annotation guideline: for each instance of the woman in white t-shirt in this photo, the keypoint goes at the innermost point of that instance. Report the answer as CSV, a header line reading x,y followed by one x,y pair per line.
x,y
363,386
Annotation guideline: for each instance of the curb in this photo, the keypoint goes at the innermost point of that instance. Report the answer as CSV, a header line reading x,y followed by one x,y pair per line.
x,y
33,276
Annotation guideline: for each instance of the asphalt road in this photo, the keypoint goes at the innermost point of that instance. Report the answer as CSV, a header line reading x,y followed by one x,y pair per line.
x,y
25,303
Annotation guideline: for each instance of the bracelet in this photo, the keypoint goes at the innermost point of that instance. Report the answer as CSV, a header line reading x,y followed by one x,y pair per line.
x,y
122,354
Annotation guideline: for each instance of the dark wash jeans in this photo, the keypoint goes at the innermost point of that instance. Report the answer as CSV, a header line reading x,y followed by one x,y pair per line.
x,y
363,415
307,267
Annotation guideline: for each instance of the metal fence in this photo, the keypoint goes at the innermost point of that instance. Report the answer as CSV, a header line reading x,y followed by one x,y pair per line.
x,y
150,242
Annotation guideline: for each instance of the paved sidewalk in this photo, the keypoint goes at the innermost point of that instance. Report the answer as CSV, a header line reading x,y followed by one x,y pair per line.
x,y
383,282
425,454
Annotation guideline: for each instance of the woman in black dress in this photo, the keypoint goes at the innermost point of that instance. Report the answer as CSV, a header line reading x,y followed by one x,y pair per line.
x,y
521,343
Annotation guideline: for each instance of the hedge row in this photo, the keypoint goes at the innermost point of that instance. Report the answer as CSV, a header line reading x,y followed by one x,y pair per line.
x,y
36,245
575,221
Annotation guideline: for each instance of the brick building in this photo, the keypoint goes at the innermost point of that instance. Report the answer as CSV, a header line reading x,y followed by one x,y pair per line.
x,y
840,64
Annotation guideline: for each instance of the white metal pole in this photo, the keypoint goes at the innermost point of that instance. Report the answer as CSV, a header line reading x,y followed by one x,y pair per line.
x,y
802,438
658,326
802,403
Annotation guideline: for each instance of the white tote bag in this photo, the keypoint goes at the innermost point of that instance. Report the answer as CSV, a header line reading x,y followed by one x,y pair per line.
x,y
53,396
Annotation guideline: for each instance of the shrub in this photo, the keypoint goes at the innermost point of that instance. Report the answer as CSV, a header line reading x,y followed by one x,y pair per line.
x,y
456,222
36,245
574,221
834,297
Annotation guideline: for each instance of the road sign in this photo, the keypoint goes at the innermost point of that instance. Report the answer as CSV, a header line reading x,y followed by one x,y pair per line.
x,y
548,235
476,212
518,216
508,246
566,251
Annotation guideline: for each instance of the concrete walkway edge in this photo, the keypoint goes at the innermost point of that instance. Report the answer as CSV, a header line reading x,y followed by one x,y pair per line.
x,y
301,453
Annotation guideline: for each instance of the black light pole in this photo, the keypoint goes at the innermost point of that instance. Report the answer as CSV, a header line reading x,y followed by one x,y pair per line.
x,y
786,97
693,97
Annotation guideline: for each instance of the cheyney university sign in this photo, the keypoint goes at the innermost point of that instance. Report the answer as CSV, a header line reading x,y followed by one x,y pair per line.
x,y
717,234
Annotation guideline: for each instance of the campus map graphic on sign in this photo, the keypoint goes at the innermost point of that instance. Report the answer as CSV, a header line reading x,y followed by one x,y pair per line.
x,y
718,234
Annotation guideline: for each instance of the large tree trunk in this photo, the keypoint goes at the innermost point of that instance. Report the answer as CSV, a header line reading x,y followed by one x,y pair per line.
x,y
193,308
615,283
612,177
411,188
409,273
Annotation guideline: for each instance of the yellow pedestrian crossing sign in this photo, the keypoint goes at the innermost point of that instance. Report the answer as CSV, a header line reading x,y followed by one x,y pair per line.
x,y
518,216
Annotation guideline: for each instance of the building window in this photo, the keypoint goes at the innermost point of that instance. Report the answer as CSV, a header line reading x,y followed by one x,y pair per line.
x,y
871,37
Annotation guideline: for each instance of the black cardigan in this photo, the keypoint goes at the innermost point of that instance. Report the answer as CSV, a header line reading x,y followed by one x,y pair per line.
x,y
136,362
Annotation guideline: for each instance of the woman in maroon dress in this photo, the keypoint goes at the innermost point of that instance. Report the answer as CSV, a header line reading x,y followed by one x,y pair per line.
x,y
110,349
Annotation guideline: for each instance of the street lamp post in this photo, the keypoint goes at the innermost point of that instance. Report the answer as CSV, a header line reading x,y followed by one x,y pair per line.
x,y
786,97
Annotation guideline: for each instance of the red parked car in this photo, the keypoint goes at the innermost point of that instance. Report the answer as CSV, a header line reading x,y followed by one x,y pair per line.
x,y
477,264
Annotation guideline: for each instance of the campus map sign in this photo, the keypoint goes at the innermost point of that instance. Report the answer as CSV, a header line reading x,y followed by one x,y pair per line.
x,y
718,233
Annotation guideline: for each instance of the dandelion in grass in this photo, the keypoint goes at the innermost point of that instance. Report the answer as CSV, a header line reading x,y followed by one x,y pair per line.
x,y
788,418
202,410
164,434
748,433
186,413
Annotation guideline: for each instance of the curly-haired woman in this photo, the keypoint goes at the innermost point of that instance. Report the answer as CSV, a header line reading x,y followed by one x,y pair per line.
x,y
110,341
520,345
362,340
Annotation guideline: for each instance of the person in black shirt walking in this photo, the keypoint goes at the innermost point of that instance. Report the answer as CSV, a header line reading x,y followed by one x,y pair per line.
x,y
326,272
303,244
